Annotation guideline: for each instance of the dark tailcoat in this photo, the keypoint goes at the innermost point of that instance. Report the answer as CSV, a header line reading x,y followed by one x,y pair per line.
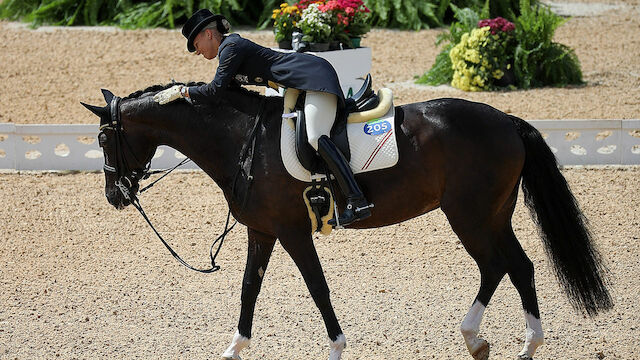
x,y
252,64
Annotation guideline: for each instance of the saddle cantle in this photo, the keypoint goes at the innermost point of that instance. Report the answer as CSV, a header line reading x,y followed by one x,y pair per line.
x,y
364,132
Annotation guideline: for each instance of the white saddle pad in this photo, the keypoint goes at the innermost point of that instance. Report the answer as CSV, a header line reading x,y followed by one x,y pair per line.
x,y
373,146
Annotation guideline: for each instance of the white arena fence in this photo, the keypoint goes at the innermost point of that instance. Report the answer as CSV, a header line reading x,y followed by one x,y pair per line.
x,y
75,147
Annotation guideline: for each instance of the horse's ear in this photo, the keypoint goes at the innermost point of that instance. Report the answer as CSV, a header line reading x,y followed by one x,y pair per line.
x,y
100,111
108,96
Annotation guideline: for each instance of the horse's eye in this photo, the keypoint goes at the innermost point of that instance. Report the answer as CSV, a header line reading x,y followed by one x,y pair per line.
x,y
102,139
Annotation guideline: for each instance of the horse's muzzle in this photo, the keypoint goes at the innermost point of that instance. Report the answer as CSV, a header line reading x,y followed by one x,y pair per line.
x,y
115,198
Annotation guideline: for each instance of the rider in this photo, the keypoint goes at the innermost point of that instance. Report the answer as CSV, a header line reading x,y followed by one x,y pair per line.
x,y
250,63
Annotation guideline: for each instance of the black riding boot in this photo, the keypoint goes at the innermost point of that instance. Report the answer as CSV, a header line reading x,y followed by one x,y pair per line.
x,y
358,207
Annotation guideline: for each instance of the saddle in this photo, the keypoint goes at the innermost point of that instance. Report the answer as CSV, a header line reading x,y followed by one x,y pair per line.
x,y
364,131
363,100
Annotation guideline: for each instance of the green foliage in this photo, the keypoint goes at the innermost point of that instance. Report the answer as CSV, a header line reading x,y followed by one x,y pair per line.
x,y
132,13
407,14
537,60
402,14
442,70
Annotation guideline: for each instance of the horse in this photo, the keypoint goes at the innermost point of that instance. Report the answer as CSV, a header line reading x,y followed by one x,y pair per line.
x,y
466,158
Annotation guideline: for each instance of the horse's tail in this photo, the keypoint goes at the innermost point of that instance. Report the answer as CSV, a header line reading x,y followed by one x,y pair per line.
x,y
564,229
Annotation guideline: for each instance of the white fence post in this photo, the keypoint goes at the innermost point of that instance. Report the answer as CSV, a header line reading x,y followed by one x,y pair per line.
x,y
7,146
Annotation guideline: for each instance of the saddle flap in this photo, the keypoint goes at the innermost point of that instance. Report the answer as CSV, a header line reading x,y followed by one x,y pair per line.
x,y
372,145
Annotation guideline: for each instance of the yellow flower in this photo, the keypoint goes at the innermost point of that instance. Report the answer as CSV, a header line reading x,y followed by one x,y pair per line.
x,y
472,55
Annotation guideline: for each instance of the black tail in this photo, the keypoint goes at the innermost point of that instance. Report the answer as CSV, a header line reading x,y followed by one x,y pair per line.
x,y
564,229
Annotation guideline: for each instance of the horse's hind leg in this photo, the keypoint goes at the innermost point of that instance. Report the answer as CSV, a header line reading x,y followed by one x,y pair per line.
x,y
492,270
521,272
259,252
303,253
498,252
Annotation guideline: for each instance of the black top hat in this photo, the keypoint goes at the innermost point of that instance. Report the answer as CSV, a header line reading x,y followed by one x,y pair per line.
x,y
196,23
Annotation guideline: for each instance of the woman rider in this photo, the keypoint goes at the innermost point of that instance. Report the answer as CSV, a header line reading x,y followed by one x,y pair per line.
x,y
250,63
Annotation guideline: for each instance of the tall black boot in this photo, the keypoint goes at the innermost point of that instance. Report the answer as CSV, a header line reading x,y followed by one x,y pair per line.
x,y
358,207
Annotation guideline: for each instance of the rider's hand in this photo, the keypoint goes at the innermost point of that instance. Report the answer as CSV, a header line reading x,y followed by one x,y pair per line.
x,y
168,95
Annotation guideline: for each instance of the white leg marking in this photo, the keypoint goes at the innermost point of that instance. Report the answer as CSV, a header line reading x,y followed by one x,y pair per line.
x,y
238,343
533,336
337,347
470,327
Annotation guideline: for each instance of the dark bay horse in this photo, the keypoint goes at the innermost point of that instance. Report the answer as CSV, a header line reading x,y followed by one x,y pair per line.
x,y
466,158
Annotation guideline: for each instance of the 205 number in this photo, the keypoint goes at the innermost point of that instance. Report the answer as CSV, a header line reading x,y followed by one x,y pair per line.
x,y
377,128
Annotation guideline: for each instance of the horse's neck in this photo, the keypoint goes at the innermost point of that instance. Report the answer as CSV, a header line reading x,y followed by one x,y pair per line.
x,y
213,141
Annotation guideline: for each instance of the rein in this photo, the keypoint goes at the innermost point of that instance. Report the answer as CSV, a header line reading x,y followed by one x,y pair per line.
x,y
124,174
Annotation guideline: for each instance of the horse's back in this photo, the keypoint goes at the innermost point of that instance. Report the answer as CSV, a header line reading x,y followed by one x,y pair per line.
x,y
466,131
479,152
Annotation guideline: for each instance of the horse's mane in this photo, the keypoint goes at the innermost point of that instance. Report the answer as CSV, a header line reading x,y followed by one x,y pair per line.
x,y
241,98
156,88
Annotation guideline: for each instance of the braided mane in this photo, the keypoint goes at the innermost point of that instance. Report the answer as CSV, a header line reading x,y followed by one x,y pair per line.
x,y
157,88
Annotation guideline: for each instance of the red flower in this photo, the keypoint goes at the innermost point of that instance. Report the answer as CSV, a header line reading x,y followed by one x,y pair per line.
x,y
303,4
498,24
329,6
343,20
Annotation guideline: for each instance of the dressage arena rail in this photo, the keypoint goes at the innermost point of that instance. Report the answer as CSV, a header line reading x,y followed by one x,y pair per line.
x,y
74,147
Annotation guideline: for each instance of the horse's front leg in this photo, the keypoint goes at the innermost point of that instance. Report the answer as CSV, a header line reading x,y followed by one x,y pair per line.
x,y
259,253
303,253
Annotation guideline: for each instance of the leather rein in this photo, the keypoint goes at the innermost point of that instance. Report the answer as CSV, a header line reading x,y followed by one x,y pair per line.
x,y
127,178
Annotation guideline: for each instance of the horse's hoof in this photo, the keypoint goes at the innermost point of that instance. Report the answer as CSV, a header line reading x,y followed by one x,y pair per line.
x,y
482,352
231,358
524,357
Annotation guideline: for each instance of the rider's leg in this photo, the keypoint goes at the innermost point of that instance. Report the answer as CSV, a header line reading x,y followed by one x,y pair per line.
x,y
320,112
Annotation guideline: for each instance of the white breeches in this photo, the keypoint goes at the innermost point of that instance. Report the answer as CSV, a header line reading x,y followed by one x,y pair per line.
x,y
320,113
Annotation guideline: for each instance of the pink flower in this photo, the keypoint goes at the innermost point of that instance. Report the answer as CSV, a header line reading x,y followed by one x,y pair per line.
x,y
351,3
303,4
343,20
498,24
329,6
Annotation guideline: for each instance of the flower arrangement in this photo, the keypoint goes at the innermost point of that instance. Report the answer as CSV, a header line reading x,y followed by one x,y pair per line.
x,y
482,55
285,20
322,21
315,24
490,54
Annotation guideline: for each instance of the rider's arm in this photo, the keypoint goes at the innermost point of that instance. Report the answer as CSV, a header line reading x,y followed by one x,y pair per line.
x,y
229,63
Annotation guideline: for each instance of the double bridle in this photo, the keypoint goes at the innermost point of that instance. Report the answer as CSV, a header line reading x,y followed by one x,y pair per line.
x,y
127,180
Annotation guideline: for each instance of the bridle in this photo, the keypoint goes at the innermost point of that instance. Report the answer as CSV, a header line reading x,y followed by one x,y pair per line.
x,y
127,180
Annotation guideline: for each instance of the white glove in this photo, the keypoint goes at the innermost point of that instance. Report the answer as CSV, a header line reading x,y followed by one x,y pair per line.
x,y
166,96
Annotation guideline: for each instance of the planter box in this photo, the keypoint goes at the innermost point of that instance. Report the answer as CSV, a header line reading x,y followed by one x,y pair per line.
x,y
351,65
